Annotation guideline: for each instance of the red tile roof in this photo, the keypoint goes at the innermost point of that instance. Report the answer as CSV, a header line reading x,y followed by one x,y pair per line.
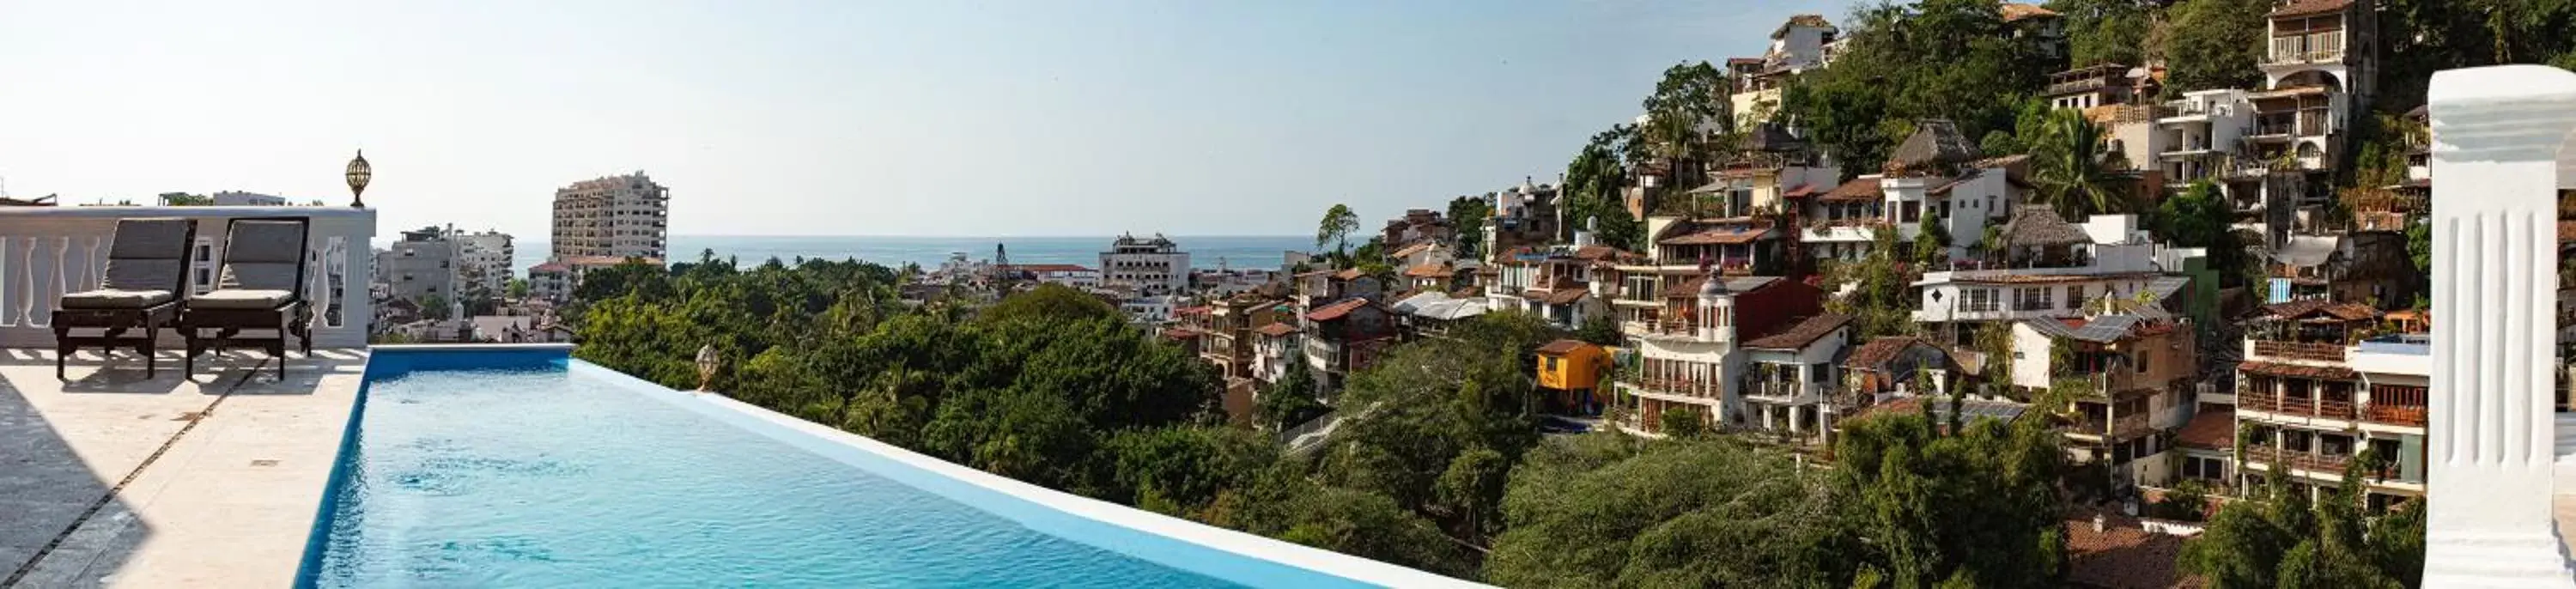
x,y
1564,296
1803,333
1720,235
1417,247
1276,329
1336,310
2213,429
1430,271
2304,308
1878,351
554,267
1802,191
1347,274
2121,555
1864,188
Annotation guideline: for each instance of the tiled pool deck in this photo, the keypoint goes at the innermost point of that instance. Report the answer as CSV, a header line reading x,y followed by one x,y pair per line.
x,y
114,479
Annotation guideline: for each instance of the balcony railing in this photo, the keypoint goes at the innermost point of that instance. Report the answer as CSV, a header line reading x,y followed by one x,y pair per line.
x,y
2308,461
1784,392
1687,387
48,251
2309,48
2290,405
2394,414
2322,352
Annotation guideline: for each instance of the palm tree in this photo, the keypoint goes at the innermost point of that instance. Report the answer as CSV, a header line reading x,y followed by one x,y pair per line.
x,y
2071,170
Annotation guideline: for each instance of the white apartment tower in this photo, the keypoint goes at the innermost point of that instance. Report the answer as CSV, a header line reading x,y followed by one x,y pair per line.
x,y
616,217
1153,266
483,261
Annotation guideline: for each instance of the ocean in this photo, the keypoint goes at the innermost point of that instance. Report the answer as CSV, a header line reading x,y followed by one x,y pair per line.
x,y
1206,251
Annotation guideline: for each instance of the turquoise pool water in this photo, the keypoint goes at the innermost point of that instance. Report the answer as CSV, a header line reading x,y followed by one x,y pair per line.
x,y
549,475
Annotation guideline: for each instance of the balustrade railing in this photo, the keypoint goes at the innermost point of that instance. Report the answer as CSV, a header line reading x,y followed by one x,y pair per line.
x,y
48,251
2299,350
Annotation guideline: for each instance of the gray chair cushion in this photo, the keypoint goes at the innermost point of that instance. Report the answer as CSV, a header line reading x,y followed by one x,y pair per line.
x,y
110,298
265,241
241,299
258,275
145,274
148,254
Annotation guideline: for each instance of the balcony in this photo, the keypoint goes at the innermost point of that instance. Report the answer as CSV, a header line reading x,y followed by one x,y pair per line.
x,y
1784,393
2127,426
2269,402
2311,48
2325,464
2315,351
1676,386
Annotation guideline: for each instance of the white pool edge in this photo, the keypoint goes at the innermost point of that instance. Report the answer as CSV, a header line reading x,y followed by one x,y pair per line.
x,y
1242,544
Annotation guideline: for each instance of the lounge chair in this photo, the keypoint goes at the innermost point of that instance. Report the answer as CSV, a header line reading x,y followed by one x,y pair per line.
x,y
261,286
147,273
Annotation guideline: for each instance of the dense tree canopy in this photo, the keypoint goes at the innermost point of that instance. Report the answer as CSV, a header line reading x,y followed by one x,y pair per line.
x,y
2216,44
1948,59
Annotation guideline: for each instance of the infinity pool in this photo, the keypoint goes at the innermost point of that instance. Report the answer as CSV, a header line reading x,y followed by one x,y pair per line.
x,y
556,473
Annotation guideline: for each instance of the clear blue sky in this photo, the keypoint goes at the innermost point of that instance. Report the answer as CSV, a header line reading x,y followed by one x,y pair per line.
x,y
842,117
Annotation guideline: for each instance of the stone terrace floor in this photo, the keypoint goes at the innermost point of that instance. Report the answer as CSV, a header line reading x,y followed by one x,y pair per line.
x,y
115,479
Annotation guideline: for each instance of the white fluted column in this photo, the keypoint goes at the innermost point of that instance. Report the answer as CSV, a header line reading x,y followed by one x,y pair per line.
x,y
2499,135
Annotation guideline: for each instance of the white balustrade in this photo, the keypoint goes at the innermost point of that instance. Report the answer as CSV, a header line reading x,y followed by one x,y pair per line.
x,y
2501,145
48,251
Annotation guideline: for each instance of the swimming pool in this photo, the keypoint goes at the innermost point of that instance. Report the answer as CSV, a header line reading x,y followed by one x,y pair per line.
x,y
526,468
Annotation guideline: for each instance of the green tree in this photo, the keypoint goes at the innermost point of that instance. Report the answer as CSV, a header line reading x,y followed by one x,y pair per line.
x,y
1336,228
517,289
1593,185
2277,537
1471,491
1997,522
1048,301
435,306
2070,170
1179,469
1607,510
2201,217
1948,59
2217,44
1467,216
1599,329
182,199
1290,401
1683,423
1687,106
2104,31
634,276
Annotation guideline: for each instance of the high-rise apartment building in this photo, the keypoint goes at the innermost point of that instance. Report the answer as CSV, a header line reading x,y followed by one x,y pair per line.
x,y
483,261
617,216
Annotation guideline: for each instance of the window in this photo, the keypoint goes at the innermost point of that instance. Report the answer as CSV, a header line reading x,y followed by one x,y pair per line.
x,y
2075,297
1551,363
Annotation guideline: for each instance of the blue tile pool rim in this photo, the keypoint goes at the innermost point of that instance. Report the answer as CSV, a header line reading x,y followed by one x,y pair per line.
x,y
1168,541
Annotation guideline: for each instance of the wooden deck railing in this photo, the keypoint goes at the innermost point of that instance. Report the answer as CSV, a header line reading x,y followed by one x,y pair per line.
x,y
2299,350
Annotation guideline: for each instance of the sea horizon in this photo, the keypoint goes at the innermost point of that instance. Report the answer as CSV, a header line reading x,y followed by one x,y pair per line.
x,y
1206,251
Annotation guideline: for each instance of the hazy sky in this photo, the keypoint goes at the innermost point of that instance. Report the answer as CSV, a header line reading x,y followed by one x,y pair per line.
x,y
842,117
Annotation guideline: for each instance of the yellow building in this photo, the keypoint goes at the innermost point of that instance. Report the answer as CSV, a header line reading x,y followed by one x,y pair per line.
x,y
1572,368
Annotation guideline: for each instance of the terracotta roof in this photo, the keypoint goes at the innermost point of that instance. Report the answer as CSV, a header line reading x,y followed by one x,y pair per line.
x,y
1336,310
2213,429
2040,226
2297,370
1598,252
1736,61
2123,555
2015,11
1879,351
1864,188
1805,332
2308,7
1348,274
1564,296
1562,347
1719,235
554,267
1417,247
1429,271
2303,308
1935,143
1802,191
1276,329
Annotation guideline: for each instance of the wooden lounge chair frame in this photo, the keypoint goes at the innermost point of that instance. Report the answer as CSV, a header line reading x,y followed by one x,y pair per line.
x,y
289,318
115,323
